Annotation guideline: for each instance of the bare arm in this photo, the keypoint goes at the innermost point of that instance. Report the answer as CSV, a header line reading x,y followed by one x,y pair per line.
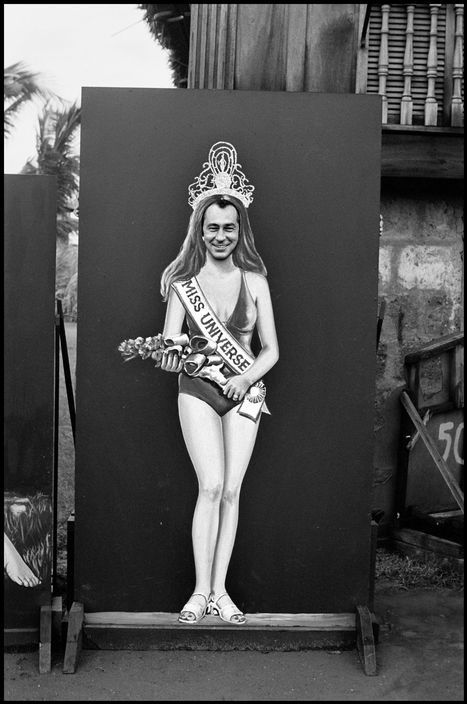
x,y
174,318
269,354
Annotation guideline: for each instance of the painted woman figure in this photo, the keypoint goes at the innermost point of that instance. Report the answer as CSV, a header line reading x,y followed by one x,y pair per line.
x,y
217,283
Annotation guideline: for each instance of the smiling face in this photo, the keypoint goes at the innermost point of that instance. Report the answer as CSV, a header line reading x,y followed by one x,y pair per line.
x,y
220,231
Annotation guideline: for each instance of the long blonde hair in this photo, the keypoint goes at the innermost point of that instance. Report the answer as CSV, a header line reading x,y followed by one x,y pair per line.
x,y
192,254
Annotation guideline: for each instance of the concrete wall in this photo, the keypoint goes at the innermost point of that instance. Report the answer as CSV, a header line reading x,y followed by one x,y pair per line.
x,y
421,280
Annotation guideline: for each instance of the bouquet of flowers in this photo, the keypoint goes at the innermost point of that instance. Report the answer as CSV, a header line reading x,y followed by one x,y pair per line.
x,y
145,348
200,358
198,354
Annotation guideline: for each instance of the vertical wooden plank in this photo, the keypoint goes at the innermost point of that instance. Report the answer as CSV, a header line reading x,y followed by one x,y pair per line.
x,y
374,545
362,51
221,46
203,58
295,62
194,47
431,105
45,639
70,560
366,641
261,48
74,638
457,104
406,100
57,617
213,49
328,25
231,47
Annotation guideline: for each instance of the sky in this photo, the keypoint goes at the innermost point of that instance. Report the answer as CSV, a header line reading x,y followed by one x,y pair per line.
x,y
73,46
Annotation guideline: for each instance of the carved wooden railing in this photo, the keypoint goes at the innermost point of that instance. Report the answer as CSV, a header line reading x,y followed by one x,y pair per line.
x,y
412,55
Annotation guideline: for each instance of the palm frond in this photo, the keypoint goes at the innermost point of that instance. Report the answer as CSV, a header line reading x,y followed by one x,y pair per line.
x,y
21,85
57,127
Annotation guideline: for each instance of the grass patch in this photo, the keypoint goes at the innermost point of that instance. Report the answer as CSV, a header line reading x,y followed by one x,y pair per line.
x,y
407,573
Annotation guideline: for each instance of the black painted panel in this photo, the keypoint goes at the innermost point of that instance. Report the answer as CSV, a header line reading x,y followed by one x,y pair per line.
x,y
303,542
29,269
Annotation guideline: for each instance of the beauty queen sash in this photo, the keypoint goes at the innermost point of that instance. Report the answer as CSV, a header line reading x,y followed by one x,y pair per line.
x,y
222,343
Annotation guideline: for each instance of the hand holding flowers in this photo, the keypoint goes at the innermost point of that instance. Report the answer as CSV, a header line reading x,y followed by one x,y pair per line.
x,y
172,354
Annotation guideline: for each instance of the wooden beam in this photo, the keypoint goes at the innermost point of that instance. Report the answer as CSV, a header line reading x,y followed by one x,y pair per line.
x,y
436,347
320,622
422,555
429,153
263,632
429,542
430,444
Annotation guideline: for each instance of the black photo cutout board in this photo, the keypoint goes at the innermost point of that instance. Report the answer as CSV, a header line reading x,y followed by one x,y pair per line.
x,y
29,324
303,541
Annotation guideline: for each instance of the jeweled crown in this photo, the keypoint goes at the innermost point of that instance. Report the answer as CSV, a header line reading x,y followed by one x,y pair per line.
x,y
221,175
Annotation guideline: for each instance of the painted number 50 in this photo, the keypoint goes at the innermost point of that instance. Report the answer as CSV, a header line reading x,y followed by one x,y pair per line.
x,y
445,433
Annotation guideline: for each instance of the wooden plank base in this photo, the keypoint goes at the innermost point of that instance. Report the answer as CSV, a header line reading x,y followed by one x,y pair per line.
x,y
20,638
262,632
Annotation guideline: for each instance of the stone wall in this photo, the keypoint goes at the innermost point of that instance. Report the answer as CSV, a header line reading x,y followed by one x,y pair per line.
x,y
421,281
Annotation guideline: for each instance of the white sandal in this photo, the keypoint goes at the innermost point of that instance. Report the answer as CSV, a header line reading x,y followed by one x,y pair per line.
x,y
195,609
227,612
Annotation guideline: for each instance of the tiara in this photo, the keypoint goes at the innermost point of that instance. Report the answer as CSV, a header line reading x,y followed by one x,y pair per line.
x,y
221,175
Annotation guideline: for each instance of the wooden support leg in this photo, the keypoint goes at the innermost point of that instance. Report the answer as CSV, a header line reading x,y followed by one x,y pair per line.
x,y
74,637
45,639
57,616
365,640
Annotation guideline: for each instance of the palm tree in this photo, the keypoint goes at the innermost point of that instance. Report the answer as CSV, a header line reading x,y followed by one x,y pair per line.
x,y
57,129
21,86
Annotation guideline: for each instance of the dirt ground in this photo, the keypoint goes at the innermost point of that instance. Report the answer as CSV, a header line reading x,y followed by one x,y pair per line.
x,y
420,657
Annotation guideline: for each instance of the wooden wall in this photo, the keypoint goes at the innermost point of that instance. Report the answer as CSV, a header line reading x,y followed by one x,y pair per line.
x,y
274,46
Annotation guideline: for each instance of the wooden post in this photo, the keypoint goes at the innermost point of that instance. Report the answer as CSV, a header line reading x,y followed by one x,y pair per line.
x,y
74,638
45,639
431,105
383,63
57,617
373,548
406,101
366,640
457,105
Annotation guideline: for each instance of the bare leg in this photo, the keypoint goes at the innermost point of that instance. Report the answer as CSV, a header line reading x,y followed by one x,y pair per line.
x,y
202,432
239,440
15,566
